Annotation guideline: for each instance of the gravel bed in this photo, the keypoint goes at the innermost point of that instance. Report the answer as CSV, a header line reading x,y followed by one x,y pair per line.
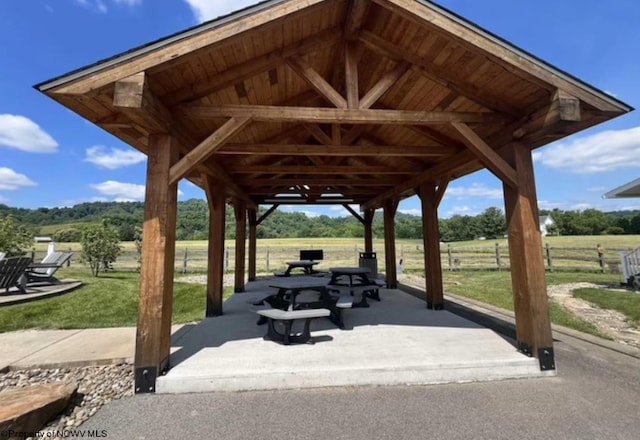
x,y
96,386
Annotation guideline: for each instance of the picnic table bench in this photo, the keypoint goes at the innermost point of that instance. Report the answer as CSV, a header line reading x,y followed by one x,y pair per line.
x,y
287,317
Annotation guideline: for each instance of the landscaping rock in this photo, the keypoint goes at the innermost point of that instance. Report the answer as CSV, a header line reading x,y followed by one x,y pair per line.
x,y
26,410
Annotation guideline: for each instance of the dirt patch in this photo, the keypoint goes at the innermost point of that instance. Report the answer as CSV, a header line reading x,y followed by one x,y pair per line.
x,y
610,322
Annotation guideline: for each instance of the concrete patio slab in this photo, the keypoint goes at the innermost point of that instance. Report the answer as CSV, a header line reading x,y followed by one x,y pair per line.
x,y
15,346
396,341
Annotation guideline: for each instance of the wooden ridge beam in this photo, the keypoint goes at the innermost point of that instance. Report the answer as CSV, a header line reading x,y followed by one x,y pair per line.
x,y
445,167
206,148
316,81
314,170
334,150
265,113
335,183
356,14
489,157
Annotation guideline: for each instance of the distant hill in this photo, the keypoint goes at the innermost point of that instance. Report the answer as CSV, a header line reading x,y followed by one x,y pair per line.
x,y
65,224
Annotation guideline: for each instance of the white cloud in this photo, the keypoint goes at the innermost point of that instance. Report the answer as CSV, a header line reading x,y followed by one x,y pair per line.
x,y
10,180
94,5
462,210
601,152
122,191
412,211
476,190
113,158
129,2
23,134
208,9
3,199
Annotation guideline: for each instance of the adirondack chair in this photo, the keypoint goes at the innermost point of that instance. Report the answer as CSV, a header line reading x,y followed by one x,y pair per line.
x,y
11,269
44,271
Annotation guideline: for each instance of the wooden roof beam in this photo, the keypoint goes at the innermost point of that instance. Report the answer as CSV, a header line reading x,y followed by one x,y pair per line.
x,y
563,109
435,73
489,157
313,170
383,85
316,81
356,15
507,56
206,148
367,150
335,182
337,115
133,97
241,72
318,133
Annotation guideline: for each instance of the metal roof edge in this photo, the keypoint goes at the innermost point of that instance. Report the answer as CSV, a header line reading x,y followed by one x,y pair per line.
x,y
613,194
524,54
106,63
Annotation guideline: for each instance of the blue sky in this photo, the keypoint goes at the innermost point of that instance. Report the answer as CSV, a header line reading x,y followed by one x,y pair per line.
x,y
51,157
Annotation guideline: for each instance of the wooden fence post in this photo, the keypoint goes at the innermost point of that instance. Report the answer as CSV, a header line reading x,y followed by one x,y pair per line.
x,y
450,257
549,257
185,260
226,260
498,260
267,259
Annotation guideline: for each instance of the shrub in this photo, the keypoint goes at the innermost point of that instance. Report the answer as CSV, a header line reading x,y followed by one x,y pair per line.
x,y
67,235
14,238
100,246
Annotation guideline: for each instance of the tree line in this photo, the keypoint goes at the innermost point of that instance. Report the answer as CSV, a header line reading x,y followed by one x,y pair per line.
x,y
193,222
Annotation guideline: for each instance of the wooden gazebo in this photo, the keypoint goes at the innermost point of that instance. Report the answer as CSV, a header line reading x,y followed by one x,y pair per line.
x,y
331,102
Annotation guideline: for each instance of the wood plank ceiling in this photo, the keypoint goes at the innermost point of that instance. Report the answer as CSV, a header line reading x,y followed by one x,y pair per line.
x,y
334,101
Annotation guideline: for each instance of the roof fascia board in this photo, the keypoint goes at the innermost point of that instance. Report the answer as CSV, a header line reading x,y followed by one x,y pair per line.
x,y
616,193
156,45
525,55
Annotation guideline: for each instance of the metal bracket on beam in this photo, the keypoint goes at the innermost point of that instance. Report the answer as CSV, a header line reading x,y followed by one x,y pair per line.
x,y
546,359
145,380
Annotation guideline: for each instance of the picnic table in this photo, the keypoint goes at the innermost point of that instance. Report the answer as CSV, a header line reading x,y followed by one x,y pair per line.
x,y
305,265
357,281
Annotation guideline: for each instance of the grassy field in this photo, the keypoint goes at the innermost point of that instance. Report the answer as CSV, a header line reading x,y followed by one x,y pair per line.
x,y
627,303
576,253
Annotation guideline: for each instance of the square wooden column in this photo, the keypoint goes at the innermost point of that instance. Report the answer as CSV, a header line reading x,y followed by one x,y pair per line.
x,y
216,199
153,336
431,239
253,239
368,229
240,209
390,207
528,277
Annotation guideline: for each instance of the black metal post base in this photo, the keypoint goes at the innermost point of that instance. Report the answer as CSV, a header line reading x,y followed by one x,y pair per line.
x,y
145,380
435,306
546,358
525,348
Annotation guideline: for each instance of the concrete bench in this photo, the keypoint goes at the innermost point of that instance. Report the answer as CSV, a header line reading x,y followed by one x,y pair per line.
x,y
342,302
287,317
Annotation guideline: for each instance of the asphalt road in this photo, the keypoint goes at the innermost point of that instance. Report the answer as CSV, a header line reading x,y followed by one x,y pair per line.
x,y
596,395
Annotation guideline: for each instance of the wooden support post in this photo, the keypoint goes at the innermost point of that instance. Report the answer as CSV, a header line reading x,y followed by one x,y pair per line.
x,y
240,208
390,207
153,336
368,229
533,327
549,257
430,196
215,272
253,241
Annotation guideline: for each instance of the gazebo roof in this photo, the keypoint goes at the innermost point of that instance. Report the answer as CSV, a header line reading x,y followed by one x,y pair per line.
x,y
334,101
626,191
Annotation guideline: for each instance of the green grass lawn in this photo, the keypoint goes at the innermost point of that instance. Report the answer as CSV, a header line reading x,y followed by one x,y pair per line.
x,y
493,287
111,300
627,303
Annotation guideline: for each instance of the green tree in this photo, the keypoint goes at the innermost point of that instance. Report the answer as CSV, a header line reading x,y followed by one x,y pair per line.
x,y
100,246
492,223
14,238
